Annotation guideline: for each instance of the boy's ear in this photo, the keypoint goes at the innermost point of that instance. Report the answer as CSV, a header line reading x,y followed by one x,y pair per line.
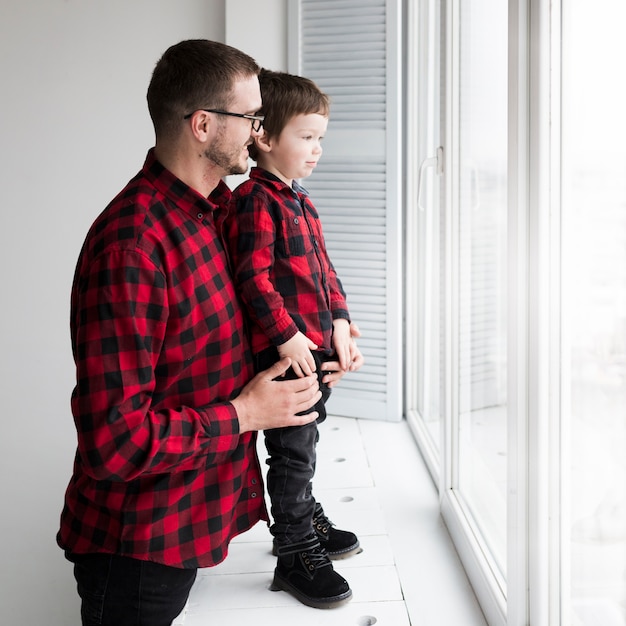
x,y
263,142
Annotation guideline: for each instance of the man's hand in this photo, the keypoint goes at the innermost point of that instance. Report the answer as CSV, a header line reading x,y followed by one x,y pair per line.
x,y
267,403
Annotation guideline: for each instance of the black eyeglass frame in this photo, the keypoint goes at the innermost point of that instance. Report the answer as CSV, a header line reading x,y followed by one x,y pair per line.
x,y
255,120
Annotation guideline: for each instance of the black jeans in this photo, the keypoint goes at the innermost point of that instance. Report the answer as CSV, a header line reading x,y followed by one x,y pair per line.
x,y
120,591
292,458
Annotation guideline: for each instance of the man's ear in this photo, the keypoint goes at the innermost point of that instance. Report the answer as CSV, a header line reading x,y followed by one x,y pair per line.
x,y
200,125
263,142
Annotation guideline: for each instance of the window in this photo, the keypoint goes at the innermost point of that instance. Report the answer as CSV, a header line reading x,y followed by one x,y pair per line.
x,y
532,267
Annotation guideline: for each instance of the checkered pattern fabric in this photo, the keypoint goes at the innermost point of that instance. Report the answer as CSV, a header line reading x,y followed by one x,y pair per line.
x,y
281,264
161,472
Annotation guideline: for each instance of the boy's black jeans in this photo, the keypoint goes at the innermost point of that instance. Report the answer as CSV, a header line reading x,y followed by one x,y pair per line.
x,y
292,458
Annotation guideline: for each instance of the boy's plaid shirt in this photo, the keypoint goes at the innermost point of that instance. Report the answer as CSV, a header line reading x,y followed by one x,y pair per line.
x,y
280,263
161,472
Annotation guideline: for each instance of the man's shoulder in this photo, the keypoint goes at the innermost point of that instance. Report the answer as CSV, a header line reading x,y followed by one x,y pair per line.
x,y
137,208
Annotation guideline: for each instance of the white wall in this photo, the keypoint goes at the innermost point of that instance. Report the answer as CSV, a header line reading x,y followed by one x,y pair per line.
x,y
259,28
74,128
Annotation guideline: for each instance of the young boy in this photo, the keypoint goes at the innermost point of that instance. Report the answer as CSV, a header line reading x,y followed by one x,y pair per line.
x,y
298,309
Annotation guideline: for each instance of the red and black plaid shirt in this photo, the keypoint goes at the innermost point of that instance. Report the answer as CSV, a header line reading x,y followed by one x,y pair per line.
x,y
161,472
281,264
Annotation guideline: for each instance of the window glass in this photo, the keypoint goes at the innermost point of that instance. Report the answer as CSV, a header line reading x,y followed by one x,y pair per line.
x,y
594,309
482,189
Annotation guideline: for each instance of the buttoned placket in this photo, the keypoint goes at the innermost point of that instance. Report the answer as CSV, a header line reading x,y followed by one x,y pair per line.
x,y
302,200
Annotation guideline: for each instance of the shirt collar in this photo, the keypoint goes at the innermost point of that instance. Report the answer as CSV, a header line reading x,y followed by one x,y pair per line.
x,y
182,195
258,173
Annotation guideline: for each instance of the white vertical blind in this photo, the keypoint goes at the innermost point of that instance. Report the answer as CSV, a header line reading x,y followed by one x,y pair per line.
x,y
352,51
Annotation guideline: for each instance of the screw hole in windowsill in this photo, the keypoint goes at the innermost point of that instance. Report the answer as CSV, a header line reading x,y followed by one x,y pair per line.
x,y
366,620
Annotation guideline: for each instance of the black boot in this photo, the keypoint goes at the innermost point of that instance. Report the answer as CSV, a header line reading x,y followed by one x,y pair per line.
x,y
339,544
305,571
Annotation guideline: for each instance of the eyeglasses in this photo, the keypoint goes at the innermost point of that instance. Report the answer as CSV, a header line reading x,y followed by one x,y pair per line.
x,y
255,120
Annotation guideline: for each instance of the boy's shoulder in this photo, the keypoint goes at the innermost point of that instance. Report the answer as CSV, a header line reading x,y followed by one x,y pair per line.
x,y
243,188
249,190
259,181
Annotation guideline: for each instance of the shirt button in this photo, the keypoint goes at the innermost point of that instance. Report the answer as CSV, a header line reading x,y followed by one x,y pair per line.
x,y
254,481
296,220
200,216
253,494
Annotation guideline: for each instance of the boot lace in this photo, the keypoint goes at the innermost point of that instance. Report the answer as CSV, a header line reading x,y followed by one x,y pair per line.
x,y
315,558
322,524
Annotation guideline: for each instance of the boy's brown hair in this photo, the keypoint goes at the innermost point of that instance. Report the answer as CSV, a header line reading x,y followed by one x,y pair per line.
x,y
284,96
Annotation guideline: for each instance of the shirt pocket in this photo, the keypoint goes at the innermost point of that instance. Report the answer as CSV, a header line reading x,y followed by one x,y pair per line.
x,y
296,236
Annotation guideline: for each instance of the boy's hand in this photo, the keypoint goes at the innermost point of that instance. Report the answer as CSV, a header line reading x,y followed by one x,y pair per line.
x,y
335,369
298,349
349,356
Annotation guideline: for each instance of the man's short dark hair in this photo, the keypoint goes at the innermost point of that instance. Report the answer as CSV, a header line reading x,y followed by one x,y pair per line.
x,y
191,75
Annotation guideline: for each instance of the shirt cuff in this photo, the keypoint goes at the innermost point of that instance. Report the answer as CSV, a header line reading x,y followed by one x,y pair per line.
x,y
222,427
341,314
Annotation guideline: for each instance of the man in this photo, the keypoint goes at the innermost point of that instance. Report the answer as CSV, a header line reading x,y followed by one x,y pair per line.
x,y
165,406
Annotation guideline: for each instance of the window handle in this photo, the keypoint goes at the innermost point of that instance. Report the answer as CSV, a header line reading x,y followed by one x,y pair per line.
x,y
434,161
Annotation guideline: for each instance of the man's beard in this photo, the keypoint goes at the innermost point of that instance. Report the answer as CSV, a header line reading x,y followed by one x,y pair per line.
x,y
230,162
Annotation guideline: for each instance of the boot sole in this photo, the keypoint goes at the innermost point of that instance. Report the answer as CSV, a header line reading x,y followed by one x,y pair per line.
x,y
278,584
337,556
